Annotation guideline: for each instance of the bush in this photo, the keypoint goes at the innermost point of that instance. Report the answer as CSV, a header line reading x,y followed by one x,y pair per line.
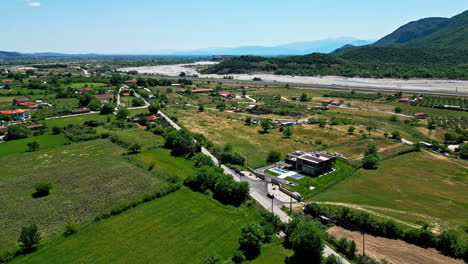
x,y
200,160
33,146
107,109
42,189
29,238
251,240
70,229
238,257
306,241
135,148
273,156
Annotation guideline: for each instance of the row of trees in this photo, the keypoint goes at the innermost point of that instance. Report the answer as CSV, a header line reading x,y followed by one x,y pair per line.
x,y
209,178
447,242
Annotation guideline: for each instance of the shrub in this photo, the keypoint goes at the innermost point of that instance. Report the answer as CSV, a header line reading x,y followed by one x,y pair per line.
x,y
70,229
238,257
200,160
29,238
135,148
33,146
42,189
251,240
273,156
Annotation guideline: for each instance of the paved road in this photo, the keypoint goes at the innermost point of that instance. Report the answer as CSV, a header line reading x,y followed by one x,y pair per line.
x,y
258,191
250,98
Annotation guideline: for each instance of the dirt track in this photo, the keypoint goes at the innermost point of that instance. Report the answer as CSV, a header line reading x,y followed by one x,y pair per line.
x,y
395,251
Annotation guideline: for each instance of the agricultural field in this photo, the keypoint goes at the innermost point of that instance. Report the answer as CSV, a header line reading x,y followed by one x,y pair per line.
x,y
424,184
223,128
87,178
162,161
219,129
21,145
181,227
78,119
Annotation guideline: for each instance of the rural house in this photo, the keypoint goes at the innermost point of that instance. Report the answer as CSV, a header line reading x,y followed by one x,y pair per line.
x,y
17,115
311,163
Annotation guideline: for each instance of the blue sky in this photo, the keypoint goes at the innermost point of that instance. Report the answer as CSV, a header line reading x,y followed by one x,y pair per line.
x,y
142,26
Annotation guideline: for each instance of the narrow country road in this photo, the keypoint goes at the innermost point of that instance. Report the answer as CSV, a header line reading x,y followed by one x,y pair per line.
x,y
258,191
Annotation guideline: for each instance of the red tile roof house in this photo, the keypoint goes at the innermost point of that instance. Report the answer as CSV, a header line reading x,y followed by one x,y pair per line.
x,y
20,100
30,105
227,95
84,90
404,100
152,118
335,103
420,115
7,81
326,101
18,114
202,90
131,81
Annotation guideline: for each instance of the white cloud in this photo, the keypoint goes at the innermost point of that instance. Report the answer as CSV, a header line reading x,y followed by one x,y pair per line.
x,y
33,3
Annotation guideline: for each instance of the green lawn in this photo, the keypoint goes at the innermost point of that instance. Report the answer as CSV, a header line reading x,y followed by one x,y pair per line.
x,y
179,228
424,183
163,161
343,170
272,253
88,178
64,102
20,145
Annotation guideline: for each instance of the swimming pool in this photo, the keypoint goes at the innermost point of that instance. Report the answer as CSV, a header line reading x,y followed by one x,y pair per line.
x,y
278,171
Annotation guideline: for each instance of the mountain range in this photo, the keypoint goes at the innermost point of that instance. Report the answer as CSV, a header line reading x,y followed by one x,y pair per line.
x,y
294,48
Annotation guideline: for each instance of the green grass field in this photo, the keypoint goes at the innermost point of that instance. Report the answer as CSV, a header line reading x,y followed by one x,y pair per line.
x,y
20,145
163,161
88,178
88,85
64,102
273,252
135,136
61,122
182,227
423,183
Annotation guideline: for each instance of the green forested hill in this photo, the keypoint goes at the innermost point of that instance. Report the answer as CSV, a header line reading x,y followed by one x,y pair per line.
x,y
427,48
377,62
430,33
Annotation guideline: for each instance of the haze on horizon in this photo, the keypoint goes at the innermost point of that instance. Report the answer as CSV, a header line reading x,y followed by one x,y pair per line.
x,y
149,26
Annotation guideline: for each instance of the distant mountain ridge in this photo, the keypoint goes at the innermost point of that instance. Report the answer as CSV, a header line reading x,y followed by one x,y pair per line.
x,y
295,48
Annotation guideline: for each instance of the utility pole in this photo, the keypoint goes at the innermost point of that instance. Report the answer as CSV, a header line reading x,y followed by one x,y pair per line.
x,y
272,199
363,244
290,204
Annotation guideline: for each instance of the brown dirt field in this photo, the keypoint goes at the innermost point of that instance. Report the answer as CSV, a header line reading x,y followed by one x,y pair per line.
x,y
395,251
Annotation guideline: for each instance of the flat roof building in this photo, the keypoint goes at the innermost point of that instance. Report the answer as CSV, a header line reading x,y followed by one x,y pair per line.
x,y
311,163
